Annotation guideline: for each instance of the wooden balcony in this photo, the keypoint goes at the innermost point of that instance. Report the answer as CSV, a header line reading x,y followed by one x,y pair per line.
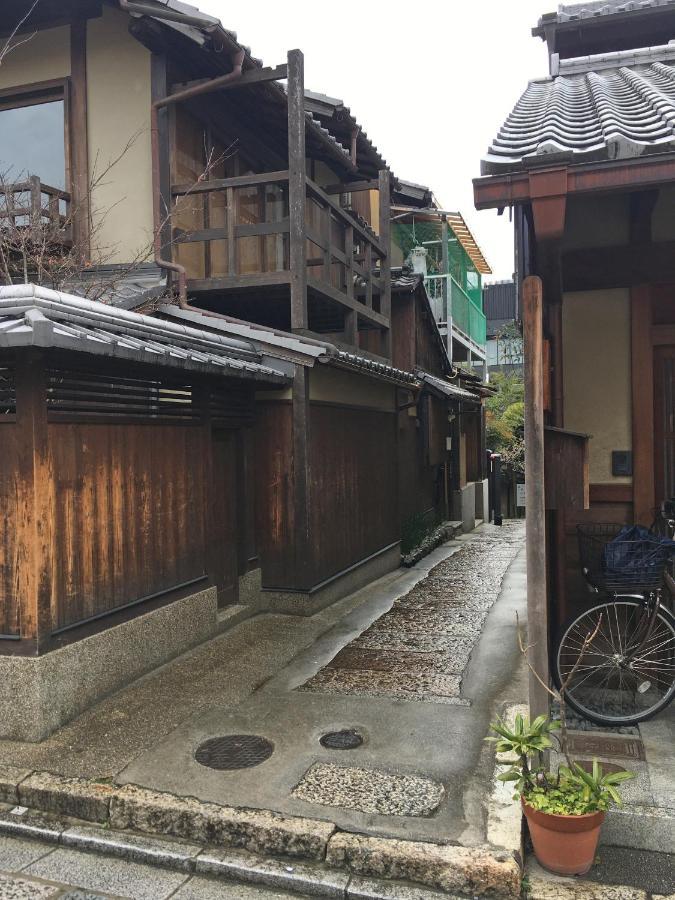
x,y
238,234
34,211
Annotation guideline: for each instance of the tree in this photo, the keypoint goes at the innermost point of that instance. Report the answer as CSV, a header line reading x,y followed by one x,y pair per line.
x,y
504,413
14,41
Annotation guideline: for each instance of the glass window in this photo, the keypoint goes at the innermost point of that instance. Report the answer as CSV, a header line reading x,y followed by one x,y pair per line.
x,y
32,142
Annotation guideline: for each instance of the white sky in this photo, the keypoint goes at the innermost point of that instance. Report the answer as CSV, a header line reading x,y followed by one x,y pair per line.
x,y
430,83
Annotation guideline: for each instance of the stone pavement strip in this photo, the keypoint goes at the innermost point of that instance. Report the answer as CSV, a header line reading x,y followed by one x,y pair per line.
x,y
421,647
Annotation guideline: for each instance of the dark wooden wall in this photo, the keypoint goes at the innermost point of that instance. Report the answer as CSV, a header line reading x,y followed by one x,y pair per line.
x,y
129,506
354,491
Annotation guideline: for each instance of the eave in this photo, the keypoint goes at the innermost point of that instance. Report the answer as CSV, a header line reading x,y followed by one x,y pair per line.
x,y
513,188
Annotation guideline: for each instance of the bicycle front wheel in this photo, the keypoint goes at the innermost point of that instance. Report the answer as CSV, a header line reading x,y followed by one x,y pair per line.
x,y
627,672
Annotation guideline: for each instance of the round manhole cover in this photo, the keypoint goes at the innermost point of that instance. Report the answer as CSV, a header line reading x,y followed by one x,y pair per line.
x,y
347,739
234,751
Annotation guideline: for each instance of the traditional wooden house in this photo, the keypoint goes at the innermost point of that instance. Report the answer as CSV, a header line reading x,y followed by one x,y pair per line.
x,y
442,438
166,169
587,160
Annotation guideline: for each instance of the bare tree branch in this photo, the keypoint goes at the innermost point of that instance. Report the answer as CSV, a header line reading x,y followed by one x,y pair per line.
x,y
10,44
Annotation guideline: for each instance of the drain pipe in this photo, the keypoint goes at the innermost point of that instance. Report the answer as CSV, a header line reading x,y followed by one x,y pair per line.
x,y
162,103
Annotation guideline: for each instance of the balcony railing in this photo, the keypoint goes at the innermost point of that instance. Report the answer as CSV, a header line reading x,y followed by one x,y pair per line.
x,y
234,233
33,205
467,317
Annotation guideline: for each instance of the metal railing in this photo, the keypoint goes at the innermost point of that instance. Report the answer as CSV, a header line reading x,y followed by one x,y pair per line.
x,y
466,316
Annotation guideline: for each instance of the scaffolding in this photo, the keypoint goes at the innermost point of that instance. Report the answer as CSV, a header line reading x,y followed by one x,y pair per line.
x,y
436,244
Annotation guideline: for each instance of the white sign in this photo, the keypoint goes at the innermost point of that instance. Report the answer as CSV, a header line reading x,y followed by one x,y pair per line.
x,y
520,495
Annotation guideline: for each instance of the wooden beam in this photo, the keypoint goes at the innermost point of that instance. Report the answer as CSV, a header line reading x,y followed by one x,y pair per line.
x,y
494,191
297,188
642,381
327,290
642,205
239,282
353,187
79,152
663,335
252,76
384,231
599,268
535,499
237,181
159,87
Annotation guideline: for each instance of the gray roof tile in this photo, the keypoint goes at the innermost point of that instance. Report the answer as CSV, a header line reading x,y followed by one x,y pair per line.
x,y
32,316
610,106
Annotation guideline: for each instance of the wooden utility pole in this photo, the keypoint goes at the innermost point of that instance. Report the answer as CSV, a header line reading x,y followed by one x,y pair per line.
x,y
535,496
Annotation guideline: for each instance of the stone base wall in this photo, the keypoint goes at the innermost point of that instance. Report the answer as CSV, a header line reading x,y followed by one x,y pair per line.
x,y
38,694
305,603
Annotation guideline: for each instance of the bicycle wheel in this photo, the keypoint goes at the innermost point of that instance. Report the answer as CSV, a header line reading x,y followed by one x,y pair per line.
x,y
627,673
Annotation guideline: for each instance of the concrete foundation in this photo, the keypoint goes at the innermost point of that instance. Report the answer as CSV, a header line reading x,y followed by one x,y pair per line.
x,y
39,694
464,506
482,500
306,603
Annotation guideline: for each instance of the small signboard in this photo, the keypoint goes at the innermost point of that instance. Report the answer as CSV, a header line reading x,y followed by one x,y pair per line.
x,y
520,495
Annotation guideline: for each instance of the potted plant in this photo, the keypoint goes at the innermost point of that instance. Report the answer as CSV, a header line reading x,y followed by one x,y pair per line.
x,y
564,809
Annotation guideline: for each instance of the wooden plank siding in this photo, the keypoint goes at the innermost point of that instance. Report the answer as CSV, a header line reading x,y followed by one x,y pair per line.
x,y
353,505
129,504
353,486
9,547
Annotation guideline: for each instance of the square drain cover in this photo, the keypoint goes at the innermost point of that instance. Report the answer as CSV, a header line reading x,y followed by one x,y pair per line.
x,y
600,745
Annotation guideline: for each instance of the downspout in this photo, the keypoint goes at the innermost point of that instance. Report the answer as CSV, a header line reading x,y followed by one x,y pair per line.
x,y
162,103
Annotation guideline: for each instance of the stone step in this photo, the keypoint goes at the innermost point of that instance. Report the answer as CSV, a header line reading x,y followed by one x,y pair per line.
x,y
640,828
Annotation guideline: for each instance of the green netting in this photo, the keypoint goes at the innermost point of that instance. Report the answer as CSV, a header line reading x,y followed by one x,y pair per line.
x,y
465,292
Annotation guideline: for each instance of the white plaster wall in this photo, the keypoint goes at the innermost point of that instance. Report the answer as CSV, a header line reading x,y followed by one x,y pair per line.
x,y
119,99
597,374
44,57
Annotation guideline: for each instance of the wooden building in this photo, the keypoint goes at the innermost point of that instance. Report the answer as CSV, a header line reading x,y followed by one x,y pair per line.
x,y
587,159
150,147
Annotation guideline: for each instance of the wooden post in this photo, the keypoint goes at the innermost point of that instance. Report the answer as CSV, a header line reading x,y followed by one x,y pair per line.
x,y
447,297
642,380
34,521
297,189
301,478
535,500
384,183
351,316
79,159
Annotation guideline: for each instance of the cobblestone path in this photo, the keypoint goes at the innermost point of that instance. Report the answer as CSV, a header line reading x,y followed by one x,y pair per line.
x,y
420,648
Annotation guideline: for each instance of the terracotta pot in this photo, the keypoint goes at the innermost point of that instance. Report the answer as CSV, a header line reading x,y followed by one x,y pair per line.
x,y
565,845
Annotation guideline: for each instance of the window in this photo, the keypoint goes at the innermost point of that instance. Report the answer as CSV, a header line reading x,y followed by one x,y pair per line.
x,y
32,137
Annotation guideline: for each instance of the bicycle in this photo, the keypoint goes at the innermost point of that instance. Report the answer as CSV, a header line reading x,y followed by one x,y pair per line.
x,y
627,673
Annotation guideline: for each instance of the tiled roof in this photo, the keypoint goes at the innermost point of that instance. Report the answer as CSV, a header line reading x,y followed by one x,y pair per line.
x,y
339,120
572,12
313,349
32,316
446,388
609,106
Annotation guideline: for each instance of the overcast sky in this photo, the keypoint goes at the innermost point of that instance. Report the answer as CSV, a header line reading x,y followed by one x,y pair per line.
x,y
429,82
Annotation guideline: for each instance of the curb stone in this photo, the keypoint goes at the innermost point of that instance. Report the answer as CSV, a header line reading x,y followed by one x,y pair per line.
x,y
350,862
504,816
480,871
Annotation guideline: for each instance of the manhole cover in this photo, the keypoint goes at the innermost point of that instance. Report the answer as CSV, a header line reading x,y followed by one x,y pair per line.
x,y
347,739
234,751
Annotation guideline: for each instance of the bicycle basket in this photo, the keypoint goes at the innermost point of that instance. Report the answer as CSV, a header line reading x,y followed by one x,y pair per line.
x,y
617,564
